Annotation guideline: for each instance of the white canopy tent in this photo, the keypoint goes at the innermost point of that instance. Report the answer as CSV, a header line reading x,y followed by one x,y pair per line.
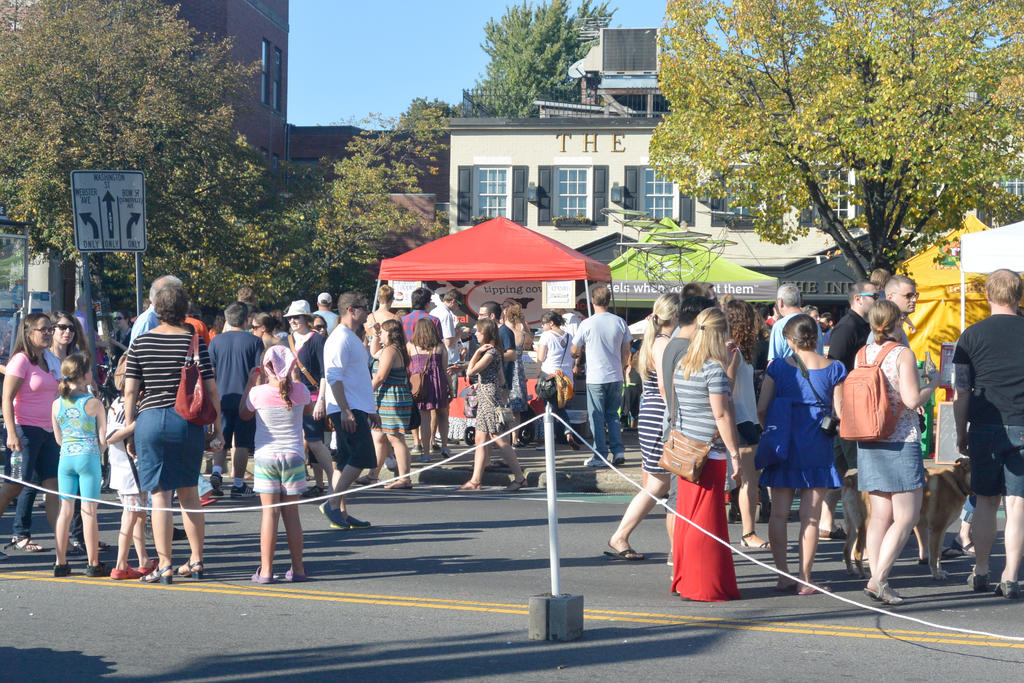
x,y
988,251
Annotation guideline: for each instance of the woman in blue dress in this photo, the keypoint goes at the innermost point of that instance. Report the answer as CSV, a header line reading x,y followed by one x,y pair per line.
x,y
814,385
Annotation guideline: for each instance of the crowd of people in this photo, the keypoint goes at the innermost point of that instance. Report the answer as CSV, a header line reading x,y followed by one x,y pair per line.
x,y
341,389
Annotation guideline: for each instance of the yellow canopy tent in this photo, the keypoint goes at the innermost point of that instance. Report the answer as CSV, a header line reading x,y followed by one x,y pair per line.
x,y
937,274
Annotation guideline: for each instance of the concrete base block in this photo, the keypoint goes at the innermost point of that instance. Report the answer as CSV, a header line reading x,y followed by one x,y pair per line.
x,y
556,617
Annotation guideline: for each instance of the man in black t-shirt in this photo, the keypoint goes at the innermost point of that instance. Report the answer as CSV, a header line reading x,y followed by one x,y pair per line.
x,y
848,337
234,353
989,381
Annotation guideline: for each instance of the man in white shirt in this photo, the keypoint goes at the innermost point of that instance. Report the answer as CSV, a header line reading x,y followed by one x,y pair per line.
x,y
606,339
351,406
323,309
446,314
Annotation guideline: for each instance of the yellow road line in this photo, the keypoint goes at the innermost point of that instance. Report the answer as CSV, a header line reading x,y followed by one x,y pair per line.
x,y
736,624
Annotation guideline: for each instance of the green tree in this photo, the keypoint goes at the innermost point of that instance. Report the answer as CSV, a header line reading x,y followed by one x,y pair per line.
x,y
128,85
346,226
777,102
531,49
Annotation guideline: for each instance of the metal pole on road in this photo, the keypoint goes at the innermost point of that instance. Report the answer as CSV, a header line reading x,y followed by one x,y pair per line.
x,y
549,468
138,283
556,616
90,315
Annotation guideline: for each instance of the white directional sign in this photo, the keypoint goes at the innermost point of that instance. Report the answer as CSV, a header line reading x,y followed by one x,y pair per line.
x,y
109,210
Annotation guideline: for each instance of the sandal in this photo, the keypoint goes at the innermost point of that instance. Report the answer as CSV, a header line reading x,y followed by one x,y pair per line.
x,y
23,544
192,570
164,575
399,485
744,543
628,555
516,485
888,596
471,486
811,590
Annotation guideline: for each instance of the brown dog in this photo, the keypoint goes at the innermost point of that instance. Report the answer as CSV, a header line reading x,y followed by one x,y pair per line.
x,y
945,490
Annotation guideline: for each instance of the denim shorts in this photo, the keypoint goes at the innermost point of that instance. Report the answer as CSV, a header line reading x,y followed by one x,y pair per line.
x,y
312,430
997,461
237,432
40,455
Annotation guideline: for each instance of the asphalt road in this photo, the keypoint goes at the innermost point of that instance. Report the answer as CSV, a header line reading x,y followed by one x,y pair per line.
x,y
438,589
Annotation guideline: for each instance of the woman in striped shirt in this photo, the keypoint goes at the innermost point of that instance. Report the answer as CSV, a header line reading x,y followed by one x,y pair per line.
x,y
170,449
702,568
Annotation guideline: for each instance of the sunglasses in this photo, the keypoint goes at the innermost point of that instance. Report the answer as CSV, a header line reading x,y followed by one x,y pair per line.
x,y
43,330
873,295
255,327
117,317
320,327
64,327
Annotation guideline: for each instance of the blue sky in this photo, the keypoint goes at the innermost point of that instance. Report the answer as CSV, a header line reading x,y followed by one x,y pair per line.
x,y
349,58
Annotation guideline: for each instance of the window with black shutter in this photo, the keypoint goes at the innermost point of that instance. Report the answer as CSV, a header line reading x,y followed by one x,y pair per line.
x,y
544,192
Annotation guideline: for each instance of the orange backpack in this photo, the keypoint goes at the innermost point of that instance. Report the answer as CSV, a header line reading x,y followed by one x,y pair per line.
x,y
868,414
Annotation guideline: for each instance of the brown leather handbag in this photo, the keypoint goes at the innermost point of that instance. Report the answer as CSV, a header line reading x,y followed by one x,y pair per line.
x,y
684,456
192,403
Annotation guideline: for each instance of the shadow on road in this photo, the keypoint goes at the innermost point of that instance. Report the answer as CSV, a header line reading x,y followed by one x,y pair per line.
x,y
44,664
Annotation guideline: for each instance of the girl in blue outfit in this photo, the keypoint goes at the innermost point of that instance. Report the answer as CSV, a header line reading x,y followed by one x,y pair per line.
x,y
79,426
814,385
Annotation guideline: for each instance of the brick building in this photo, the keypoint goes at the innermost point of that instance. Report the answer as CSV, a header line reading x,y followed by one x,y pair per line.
x,y
258,30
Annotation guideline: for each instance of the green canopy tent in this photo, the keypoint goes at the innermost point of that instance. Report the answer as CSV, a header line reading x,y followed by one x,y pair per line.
x,y
667,257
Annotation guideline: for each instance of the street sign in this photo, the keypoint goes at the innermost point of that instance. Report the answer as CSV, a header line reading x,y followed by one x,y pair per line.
x,y
109,210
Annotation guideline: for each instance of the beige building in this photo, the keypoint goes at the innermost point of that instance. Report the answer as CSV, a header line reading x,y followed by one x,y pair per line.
x,y
555,175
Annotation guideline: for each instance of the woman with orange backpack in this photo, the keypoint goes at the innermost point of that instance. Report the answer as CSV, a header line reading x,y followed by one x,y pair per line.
x,y
890,468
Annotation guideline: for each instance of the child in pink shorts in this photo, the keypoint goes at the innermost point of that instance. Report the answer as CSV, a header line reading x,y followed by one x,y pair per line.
x,y
280,460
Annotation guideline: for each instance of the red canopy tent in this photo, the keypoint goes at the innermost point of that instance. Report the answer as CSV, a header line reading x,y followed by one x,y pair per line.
x,y
497,249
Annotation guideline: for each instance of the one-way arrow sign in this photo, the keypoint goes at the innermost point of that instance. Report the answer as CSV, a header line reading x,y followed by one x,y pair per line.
x,y
109,209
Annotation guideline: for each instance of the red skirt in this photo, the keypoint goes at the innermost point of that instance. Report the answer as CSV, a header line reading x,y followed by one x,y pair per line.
x,y
702,568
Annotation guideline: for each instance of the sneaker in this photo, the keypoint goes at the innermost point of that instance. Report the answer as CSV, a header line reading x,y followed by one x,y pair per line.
x,y
422,459
594,462
216,480
354,523
416,451
75,549
122,574
336,519
619,460
1009,590
98,569
61,569
243,491
313,492
978,582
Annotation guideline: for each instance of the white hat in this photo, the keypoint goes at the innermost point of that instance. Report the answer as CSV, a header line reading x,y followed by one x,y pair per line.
x,y
324,298
300,307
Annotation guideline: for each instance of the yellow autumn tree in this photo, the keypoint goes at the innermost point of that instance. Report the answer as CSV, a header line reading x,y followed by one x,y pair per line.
x,y
889,119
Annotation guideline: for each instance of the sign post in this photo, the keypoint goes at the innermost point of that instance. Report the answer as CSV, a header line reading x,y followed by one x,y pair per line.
x,y
109,212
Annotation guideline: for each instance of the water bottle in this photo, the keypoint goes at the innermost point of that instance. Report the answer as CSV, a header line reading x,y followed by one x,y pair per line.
x,y
16,459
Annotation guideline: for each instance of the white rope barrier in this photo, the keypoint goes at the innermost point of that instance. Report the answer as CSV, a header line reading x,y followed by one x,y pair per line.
x,y
797,579
570,428
251,508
